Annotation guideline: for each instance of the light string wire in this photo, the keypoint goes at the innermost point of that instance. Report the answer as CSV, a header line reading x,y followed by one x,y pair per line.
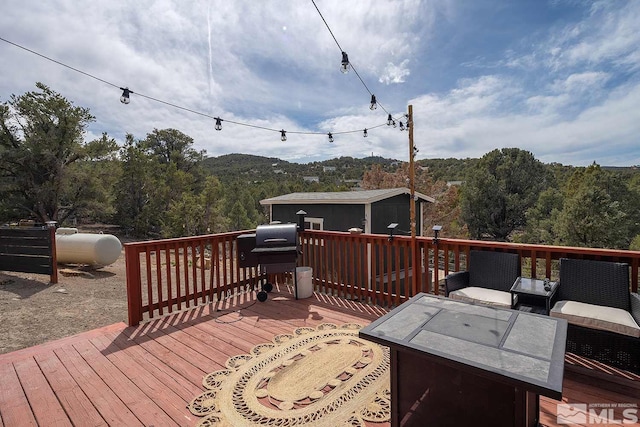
x,y
350,63
178,106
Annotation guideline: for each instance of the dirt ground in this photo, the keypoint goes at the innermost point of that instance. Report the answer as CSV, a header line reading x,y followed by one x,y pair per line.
x,y
33,311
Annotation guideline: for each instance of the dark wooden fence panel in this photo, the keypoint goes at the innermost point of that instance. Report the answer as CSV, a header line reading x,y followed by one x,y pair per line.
x,y
29,250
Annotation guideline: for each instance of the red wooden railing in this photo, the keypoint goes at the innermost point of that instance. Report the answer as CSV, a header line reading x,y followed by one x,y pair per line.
x,y
331,255
172,274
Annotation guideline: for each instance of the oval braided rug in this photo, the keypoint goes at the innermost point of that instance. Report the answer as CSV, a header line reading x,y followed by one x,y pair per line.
x,y
323,377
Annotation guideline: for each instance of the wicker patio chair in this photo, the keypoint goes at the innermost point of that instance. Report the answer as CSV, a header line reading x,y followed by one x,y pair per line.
x,y
600,284
488,278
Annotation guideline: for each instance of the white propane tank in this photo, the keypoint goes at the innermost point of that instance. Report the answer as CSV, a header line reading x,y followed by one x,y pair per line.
x,y
73,247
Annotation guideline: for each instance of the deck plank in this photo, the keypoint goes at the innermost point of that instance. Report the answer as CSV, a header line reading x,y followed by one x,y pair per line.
x,y
153,389
156,367
108,404
75,402
145,375
42,348
43,401
149,413
14,405
182,367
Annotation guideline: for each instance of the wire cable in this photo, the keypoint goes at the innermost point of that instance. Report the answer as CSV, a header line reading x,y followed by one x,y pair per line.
x,y
178,106
58,62
342,50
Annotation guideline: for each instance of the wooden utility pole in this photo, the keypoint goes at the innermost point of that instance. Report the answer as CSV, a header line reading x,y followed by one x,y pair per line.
x,y
416,262
412,173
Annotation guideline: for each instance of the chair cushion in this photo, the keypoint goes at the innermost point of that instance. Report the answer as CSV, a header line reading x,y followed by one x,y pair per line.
x,y
483,295
597,317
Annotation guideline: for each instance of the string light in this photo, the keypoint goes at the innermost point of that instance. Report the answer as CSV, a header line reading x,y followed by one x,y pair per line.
x,y
364,133
126,92
125,95
330,137
401,126
344,66
374,103
389,120
283,135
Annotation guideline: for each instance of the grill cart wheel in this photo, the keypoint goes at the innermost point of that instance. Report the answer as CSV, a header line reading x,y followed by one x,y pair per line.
x,y
268,287
262,296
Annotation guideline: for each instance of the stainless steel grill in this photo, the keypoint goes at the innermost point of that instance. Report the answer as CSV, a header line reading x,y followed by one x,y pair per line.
x,y
274,249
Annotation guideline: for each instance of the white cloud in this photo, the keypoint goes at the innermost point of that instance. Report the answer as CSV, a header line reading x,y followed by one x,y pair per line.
x,y
466,121
563,91
395,73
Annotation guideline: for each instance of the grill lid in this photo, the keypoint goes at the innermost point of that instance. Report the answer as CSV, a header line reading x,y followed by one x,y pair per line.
x,y
277,236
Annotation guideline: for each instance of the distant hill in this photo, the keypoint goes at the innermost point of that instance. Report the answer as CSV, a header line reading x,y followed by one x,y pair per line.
x,y
447,169
257,168
231,166
234,165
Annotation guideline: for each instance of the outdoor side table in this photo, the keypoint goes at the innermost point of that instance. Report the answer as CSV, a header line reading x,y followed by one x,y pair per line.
x,y
455,363
526,294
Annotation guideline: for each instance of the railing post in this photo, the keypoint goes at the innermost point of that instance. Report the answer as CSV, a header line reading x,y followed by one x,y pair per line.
x,y
53,278
436,267
134,284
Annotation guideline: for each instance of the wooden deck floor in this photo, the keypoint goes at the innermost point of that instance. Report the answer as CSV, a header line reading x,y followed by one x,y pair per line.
x,y
147,375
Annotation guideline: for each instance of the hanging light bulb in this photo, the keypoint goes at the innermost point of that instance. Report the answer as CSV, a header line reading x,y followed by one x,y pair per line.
x,y
283,135
330,137
393,122
344,67
365,133
389,120
401,126
218,123
125,95
374,103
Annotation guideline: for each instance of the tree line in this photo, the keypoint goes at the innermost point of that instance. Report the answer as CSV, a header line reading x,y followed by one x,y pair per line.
x,y
508,195
160,186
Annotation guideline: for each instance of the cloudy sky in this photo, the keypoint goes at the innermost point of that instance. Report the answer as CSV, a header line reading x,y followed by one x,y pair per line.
x,y
559,78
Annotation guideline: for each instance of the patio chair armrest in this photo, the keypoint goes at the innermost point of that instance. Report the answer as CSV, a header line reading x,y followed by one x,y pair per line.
x,y
455,281
635,306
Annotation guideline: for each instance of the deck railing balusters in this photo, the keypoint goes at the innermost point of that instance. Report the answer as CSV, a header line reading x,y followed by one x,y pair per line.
x,y
363,266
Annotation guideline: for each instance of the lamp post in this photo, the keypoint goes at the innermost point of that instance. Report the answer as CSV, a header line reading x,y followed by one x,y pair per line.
x,y
301,215
392,227
436,229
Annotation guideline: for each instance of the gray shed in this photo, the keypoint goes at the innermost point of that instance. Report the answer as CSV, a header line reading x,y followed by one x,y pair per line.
x,y
370,210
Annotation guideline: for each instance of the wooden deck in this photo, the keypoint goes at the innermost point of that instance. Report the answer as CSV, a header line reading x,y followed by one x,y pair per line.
x,y
147,375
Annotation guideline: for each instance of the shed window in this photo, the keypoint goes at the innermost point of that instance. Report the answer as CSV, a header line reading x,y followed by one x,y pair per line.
x,y
314,223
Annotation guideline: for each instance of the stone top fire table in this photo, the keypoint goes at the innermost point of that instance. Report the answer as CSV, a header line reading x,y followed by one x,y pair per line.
x,y
455,363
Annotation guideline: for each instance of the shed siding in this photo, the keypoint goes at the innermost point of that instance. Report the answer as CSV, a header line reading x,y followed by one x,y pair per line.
x,y
336,217
394,209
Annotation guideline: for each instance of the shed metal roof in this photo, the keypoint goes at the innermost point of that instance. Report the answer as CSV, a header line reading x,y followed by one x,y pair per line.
x,y
342,197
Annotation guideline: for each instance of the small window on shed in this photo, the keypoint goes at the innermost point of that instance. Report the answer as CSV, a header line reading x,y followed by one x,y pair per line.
x,y
314,223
